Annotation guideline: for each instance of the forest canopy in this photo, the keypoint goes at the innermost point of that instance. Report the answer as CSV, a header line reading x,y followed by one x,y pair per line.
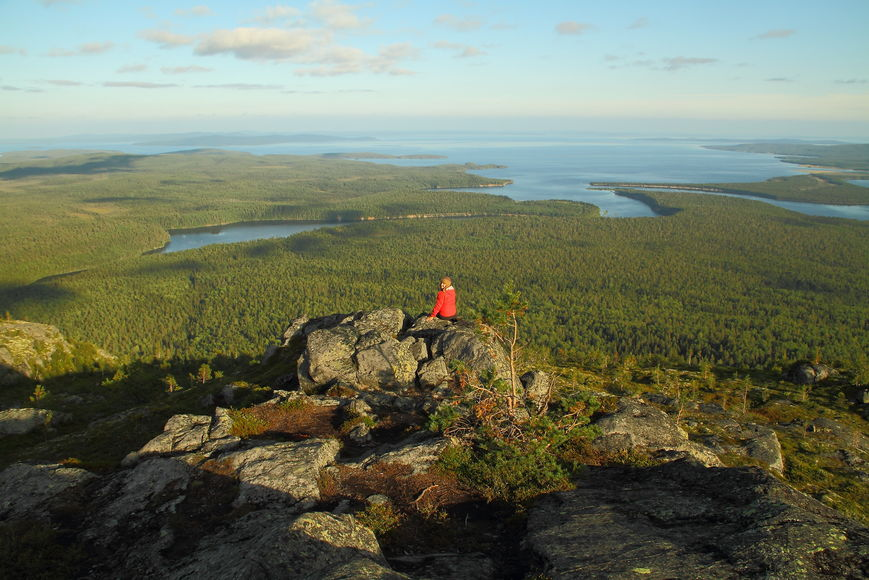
x,y
730,281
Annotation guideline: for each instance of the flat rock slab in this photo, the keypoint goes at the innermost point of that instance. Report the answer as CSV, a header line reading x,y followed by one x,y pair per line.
x,y
681,520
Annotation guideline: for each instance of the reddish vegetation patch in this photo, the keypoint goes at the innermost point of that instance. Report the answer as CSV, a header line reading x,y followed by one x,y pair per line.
x,y
303,422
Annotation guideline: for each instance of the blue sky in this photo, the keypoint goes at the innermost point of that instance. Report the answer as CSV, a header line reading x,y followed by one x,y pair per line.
x,y
743,68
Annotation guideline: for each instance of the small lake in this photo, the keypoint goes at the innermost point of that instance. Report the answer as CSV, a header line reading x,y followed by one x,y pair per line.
x,y
181,240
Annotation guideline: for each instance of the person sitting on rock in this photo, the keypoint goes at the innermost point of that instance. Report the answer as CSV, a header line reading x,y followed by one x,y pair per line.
x,y
445,305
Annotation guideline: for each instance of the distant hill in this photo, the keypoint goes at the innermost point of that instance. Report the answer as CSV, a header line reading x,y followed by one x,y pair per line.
x,y
845,156
217,140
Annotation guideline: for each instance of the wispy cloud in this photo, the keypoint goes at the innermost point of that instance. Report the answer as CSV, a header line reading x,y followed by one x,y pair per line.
x,y
337,16
165,38
140,85
456,23
852,81
86,49
571,28
12,50
641,22
195,11
180,70
13,88
460,50
57,2
680,62
262,43
779,80
63,83
242,87
314,49
776,33
280,13
132,68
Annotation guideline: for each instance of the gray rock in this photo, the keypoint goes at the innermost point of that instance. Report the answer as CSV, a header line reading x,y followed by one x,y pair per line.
x,y
806,373
296,329
362,569
388,322
417,348
23,421
360,434
359,408
387,365
329,355
433,373
281,472
538,387
132,499
637,426
182,433
766,448
480,354
419,451
680,520
473,566
27,490
275,544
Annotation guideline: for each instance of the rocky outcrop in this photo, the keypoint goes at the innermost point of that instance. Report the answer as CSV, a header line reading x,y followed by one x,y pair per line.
x,y
385,349
682,520
22,421
28,490
639,427
275,544
29,350
807,373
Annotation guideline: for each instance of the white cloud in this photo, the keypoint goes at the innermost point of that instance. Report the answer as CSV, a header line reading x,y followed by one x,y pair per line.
x,y
200,10
96,47
777,33
460,24
313,48
242,87
572,28
89,48
461,50
280,12
63,83
680,62
132,68
852,81
337,16
262,43
179,70
165,38
139,85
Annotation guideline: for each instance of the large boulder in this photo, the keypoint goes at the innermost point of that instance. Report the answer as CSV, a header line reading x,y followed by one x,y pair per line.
x,y
807,373
329,355
388,365
480,354
275,544
23,421
27,490
639,427
387,322
38,351
284,473
681,520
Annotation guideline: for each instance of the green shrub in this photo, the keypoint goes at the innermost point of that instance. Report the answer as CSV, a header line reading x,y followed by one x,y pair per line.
x,y
508,472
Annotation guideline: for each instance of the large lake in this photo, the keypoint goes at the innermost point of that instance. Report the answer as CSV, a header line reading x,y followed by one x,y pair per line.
x,y
541,166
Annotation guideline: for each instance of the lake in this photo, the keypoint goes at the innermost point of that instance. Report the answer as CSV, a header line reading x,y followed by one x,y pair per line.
x,y
541,166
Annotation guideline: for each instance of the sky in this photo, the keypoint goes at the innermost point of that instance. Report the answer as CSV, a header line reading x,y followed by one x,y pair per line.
x,y
759,68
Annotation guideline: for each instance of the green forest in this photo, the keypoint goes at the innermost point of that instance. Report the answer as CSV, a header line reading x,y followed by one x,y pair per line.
x,y
728,281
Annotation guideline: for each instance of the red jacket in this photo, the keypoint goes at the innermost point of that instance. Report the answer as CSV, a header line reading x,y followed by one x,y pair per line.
x,y
445,305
